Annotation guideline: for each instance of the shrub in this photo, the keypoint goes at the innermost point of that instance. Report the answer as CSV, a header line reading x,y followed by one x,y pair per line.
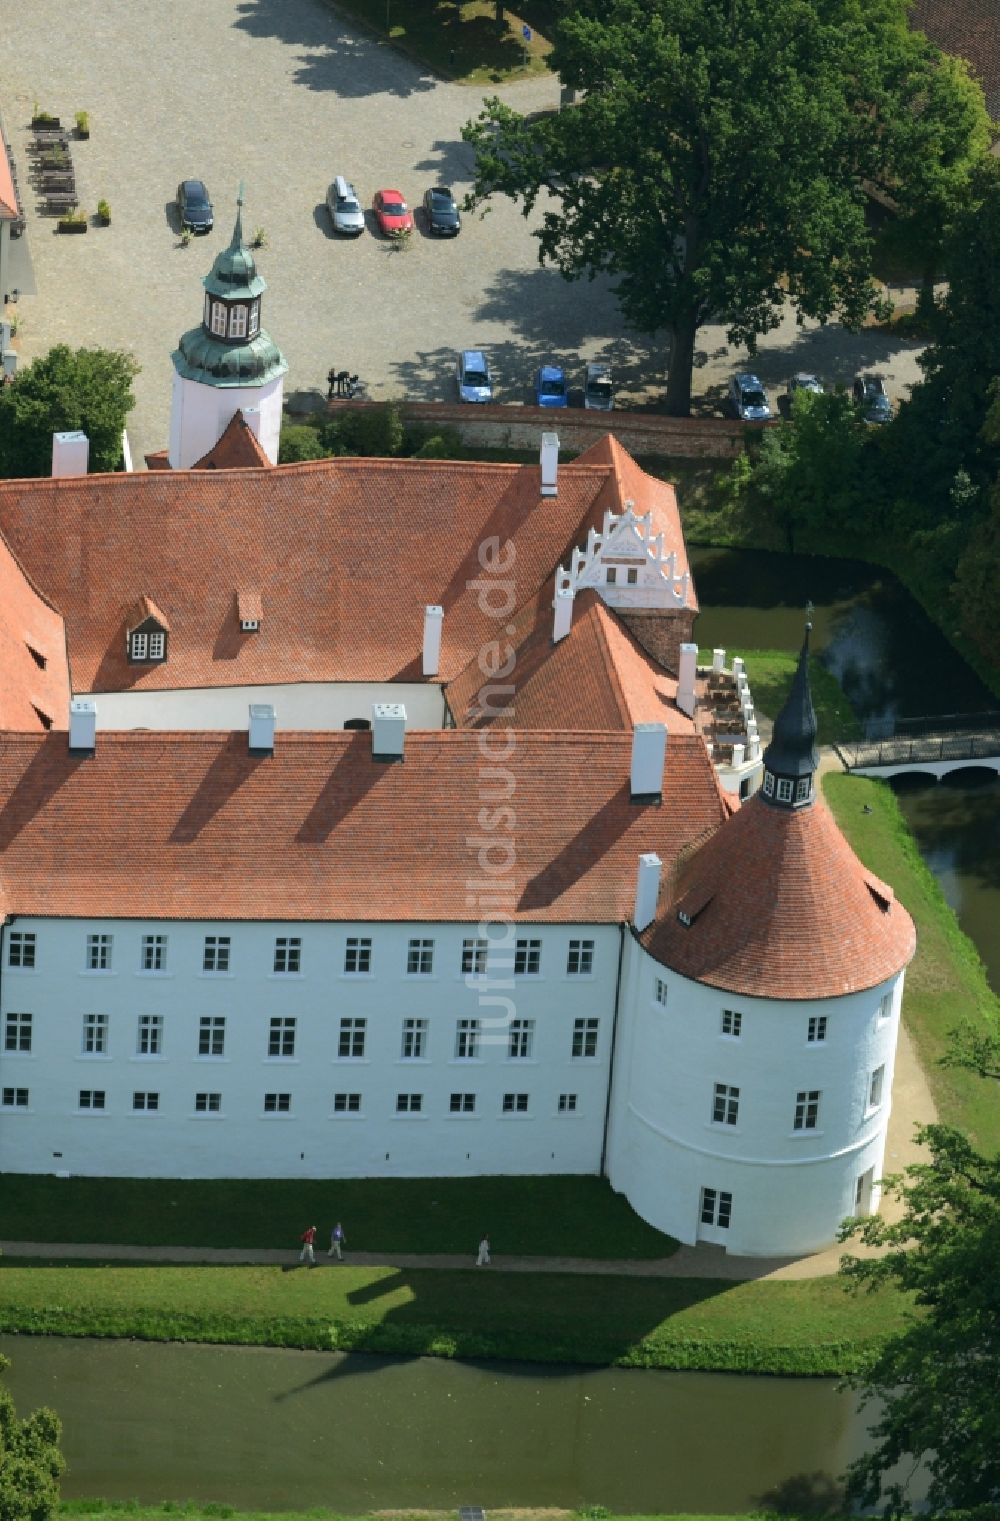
x,y
298,442
83,122
104,211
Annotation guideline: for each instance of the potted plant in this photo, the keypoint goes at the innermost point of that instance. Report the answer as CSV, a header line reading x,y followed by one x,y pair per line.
x,y
104,213
73,221
44,118
56,158
82,124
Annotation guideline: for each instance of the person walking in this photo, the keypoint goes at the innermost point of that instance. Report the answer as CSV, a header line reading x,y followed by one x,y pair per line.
x,y
337,1242
483,1260
307,1253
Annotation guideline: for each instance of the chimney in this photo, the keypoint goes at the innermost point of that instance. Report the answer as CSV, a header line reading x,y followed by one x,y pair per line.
x,y
687,671
647,890
563,620
388,730
718,661
262,728
433,624
649,750
738,753
70,453
550,464
82,725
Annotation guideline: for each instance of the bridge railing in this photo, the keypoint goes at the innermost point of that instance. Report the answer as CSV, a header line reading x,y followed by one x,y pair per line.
x,y
956,738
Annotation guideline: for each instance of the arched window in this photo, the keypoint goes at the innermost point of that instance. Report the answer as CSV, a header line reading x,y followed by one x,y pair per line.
x,y
238,322
218,319
254,318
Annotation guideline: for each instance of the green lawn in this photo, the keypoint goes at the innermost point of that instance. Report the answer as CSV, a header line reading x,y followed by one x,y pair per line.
x,y
461,39
548,1216
946,981
116,1510
770,673
810,1327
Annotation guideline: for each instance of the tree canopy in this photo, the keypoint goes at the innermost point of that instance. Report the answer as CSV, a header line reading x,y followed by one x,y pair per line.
x,y
30,1461
937,1380
60,392
715,165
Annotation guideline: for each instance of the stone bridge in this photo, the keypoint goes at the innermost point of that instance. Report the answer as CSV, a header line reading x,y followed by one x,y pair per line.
x,y
934,746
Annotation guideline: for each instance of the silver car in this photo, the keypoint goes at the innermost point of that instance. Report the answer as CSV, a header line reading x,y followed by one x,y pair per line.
x,y
805,382
598,390
748,399
345,208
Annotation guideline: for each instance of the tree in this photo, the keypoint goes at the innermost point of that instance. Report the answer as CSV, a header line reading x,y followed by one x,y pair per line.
x,y
30,1461
715,164
60,392
936,1380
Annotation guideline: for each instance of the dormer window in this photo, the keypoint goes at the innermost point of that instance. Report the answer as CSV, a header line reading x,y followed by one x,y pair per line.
x,y
249,610
784,789
768,784
249,625
803,787
218,319
146,633
254,327
238,322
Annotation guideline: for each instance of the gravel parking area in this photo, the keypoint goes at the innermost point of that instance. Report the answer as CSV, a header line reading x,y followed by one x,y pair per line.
x,y
283,94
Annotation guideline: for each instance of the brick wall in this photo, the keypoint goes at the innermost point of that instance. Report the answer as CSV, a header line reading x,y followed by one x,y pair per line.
x,y
661,634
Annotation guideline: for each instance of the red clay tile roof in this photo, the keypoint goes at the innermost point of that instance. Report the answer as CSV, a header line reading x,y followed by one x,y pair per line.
x,y
320,831
781,907
346,553
143,609
969,29
28,689
158,460
249,605
238,448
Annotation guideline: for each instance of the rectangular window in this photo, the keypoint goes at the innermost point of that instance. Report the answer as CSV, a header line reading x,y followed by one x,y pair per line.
x,y
216,957
347,1103
288,954
154,953
352,1037
150,1037
784,789
145,1102
725,1104
580,961
208,1103
732,1023
98,953
521,1038
806,1109
716,1207
660,991
467,1039
17,1032
420,958
409,1103
567,1103
211,1035
611,574
816,1031
237,322
277,1103
140,646
875,1087
803,787
15,1098
585,1037
358,954
884,1005
462,1103
632,576
527,958
414,1039
95,1034
281,1037
515,1103
474,957
92,1098
22,949
768,784
157,646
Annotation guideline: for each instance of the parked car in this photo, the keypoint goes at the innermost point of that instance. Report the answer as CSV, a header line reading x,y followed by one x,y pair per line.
x,y
550,386
443,217
748,399
872,399
194,206
805,382
598,391
473,375
392,213
344,207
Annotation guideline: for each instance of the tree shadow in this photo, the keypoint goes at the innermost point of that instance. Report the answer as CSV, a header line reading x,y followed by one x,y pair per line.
x,y
451,162
334,56
805,1494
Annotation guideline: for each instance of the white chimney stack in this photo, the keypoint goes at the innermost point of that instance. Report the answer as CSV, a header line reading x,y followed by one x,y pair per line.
x,y
433,624
388,730
550,464
649,751
563,620
262,719
83,724
70,453
687,670
738,667
738,753
718,661
647,890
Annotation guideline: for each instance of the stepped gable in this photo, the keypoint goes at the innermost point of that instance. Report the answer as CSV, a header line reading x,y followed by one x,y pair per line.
x,y
334,834
238,448
34,690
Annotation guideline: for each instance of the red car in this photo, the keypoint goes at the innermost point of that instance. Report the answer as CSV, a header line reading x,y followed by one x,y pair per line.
x,y
392,212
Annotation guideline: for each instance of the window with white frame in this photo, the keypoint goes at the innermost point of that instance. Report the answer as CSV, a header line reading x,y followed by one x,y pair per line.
x,y
95,1034
716,1207
92,1098
462,1103
288,955
14,1098
580,960
237,322
732,1023
347,1103
358,955
216,954
725,1104
466,1039
875,1086
352,1037
420,958
218,319
21,951
660,991
149,1040
139,646
784,789
145,1102
527,958
281,1037
816,1029
212,1035
521,1038
208,1103
768,788
409,1103
254,326
585,1037
157,644
154,953
277,1103
806,1109
414,1039
17,1031
474,953
515,1103
803,787
884,1008
567,1103
98,953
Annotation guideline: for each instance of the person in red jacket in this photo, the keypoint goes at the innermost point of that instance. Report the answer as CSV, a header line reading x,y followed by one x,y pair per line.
x,y
307,1254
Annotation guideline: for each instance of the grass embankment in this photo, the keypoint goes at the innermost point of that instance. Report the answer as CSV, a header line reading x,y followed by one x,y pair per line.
x,y
946,981
116,1510
462,39
770,674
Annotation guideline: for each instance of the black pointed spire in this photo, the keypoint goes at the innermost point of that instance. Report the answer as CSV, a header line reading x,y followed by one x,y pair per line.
x,y
790,760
